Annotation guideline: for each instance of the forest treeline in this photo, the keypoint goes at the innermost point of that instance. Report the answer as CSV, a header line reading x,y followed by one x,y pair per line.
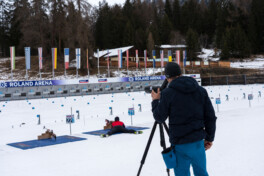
x,y
236,27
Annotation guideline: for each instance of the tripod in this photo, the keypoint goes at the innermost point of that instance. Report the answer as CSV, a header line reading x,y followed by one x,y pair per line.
x,y
162,143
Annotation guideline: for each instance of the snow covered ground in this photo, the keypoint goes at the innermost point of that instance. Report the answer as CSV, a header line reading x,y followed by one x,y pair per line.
x,y
237,150
207,54
257,63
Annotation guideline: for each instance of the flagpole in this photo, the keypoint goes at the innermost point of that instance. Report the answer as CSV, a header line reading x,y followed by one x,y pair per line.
x,y
127,53
98,62
77,62
87,63
184,61
11,74
161,61
39,65
153,61
118,59
40,55
65,73
137,61
40,74
53,59
108,63
76,72
145,60
12,60
26,62
26,74
53,71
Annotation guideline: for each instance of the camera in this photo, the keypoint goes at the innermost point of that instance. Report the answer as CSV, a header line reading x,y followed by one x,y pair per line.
x,y
149,89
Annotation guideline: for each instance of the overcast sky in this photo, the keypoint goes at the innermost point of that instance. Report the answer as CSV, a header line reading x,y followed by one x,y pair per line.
x,y
110,2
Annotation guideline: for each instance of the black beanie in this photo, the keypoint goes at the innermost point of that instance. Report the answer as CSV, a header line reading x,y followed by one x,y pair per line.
x,y
116,119
172,69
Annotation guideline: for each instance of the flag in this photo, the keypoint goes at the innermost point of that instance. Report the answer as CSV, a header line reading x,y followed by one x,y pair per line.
x,y
184,57
137,61
154,58
169,56
127,56
161,59
119,58
145,58
66,57
87,59
78,58
118,53
54,58
12,57
27,55
178,57
40,58
108,62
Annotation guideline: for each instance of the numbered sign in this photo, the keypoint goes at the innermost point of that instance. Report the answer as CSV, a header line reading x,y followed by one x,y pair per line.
x,y
250,97
131,111
70,119
217,101
140,108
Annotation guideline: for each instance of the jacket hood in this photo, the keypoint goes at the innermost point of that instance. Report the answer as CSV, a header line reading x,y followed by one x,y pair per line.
x,y
184,84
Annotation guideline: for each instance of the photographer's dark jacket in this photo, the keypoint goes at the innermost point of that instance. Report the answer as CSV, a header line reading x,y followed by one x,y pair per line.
x,y
190,111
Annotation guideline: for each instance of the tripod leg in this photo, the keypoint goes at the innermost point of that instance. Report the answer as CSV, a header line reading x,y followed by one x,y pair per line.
x,y
147,147
166,127
162,142
162,138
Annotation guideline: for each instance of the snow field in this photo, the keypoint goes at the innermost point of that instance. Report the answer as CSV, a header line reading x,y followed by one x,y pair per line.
x,y
237,150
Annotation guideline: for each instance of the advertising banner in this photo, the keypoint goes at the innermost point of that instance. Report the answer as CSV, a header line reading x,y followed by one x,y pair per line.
x,y
15,84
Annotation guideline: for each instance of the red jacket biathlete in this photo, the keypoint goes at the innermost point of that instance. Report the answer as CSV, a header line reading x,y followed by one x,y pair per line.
x,y
117,123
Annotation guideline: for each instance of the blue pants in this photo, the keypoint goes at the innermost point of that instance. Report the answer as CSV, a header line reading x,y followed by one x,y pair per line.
x,y
190,154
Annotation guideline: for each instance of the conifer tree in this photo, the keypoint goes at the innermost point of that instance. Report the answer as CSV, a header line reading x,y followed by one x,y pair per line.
x,y
256,27
4,28
165,29
150,43
168,10
192,44
176,19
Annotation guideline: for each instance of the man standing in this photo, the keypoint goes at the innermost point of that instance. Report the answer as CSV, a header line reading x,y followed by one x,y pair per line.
x,y
192,120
